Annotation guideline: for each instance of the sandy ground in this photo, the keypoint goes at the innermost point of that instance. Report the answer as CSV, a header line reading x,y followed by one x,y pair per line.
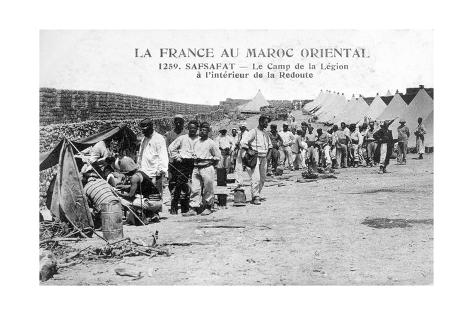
x,y
303,234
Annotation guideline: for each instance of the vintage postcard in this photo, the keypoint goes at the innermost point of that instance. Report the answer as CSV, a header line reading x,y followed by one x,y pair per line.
x,y
224,157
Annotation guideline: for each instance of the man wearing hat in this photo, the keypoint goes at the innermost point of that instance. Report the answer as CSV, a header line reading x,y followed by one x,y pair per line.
x,y
238,161
207,155
234,137
99,155
403,139
370,144
181,152
384,138
178,130
173,166
288,139
153,155
225,144
259,141
143,193
273,154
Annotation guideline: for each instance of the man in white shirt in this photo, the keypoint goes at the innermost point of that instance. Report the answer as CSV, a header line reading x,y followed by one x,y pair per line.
x,y
153,155
181,151
225,144
259,141
207,155
288,139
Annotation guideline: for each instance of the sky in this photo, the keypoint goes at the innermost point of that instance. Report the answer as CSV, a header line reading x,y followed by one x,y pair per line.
x,y
105,61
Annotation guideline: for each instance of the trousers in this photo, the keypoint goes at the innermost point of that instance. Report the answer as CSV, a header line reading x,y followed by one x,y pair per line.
x,y
258,176
342,155
287,155
313,155
327,157
202,193
382,157
273,159
401,151
371,148
179,175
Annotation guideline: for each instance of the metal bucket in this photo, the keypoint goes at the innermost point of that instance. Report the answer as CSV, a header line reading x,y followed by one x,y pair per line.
x,y
221,177
239,198
111,214
222,200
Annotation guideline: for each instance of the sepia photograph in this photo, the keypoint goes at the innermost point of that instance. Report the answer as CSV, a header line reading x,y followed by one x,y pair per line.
x,y
236,157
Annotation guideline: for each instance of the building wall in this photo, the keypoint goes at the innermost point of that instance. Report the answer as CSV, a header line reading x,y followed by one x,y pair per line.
x,y
70,106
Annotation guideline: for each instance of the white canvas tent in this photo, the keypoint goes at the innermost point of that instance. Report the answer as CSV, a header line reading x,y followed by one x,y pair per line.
x,y
318,105
327,105
355,113
253,106
429,127
422,105
311,105
377,106
328,116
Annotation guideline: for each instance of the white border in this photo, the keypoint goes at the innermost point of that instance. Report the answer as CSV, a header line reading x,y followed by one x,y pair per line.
x,y
20,51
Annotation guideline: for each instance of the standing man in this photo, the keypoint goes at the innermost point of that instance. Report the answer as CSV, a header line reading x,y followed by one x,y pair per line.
x,y
225,144
234,137
259,141
273,154
384,138
181,151
153,155
341,143
325,143
355,144
297,150
287,141
207,155
370,143
177,131
403,139
420,132
238,161
312,148
170,136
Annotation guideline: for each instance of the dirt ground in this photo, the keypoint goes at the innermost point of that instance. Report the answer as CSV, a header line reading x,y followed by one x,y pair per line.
x,y
303,234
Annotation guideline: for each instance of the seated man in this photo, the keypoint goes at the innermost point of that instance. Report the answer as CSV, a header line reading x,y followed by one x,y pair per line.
x,y
99,193
142,194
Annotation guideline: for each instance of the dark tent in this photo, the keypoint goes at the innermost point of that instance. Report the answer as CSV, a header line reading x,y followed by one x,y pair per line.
x,y
125,136
68,199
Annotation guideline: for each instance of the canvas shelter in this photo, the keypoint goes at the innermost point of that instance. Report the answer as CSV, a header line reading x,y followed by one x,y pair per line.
x,y
429,127
327,105
377,106
355,113
337,107
313,104
254,105
422,105
68,197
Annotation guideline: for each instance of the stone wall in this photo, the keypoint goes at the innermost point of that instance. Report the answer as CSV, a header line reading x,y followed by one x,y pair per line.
x,y
70,106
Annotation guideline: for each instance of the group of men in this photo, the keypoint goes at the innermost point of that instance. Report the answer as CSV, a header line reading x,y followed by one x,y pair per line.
x,y
341,147
188,160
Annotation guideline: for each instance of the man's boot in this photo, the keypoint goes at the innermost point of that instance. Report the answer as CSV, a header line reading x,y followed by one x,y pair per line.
x,y
184,205
174,206
420,156
381,169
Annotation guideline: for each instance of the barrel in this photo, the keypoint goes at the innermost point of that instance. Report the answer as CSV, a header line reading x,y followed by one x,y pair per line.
x,y
221,177
239,198
111,214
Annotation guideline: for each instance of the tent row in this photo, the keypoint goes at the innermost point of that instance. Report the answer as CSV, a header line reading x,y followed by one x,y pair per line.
x,y
333,108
